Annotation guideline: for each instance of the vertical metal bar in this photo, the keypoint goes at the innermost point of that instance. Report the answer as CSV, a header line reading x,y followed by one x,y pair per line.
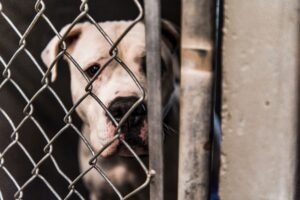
x,y
260,100
195,100
152,19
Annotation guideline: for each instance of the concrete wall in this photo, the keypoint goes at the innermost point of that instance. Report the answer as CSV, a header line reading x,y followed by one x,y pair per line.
x,y
260,106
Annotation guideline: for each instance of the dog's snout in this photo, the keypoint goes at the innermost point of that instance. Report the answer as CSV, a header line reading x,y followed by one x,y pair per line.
x,y
121,105
133,129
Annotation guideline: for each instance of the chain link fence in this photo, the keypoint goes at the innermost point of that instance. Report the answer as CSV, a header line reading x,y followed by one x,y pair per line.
x,y
45,86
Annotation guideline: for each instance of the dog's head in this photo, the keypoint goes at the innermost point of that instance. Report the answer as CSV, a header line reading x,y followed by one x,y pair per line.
x,y
114,86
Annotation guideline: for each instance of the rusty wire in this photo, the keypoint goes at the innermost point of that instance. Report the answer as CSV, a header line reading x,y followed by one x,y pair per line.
x,y
40,7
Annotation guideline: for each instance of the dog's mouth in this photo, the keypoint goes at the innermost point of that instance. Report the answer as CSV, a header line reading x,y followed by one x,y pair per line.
x,y
134,130
136,136
123,151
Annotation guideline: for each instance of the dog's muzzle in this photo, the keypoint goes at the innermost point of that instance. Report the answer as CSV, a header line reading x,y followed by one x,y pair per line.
x,y
133,128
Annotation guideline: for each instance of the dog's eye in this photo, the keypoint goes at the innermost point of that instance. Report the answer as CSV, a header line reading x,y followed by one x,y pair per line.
x,y
92,70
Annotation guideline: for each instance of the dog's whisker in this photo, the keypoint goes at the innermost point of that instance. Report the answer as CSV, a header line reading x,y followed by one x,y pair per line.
x,y
168,129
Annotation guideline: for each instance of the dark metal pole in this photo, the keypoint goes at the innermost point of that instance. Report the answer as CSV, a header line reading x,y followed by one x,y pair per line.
x,y
152,19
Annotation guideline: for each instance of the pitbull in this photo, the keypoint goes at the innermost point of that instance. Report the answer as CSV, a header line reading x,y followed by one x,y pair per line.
x,y
118,92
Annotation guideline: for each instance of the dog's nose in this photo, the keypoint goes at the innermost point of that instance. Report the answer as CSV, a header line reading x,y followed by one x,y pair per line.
x,y
121,105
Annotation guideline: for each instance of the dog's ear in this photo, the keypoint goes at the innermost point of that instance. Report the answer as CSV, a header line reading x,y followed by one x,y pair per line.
x,y
52,49
170,35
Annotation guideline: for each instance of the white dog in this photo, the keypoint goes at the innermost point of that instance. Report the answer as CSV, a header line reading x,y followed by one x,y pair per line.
x,y
116,89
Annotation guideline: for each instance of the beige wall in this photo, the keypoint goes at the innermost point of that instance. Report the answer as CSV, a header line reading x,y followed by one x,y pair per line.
x,y
260,72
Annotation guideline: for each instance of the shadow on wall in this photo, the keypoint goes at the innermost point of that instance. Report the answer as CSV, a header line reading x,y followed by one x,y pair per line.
x,y
46,108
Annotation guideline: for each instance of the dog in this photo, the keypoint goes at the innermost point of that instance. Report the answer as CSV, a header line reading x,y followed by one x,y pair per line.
x,y
118,92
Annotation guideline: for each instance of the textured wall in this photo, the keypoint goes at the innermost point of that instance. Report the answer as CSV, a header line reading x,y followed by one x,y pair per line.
x,y
260,92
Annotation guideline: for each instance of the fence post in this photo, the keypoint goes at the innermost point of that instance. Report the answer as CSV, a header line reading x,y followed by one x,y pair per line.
x,y
260,100
152,20
195,103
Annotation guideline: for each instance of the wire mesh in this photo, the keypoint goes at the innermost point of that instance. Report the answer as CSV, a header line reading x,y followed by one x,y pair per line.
x,y
28,111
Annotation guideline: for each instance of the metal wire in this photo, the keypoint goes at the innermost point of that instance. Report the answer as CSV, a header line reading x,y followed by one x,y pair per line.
x,y
40,8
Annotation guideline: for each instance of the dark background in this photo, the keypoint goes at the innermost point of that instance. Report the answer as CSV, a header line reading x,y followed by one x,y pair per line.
x,y
47,111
